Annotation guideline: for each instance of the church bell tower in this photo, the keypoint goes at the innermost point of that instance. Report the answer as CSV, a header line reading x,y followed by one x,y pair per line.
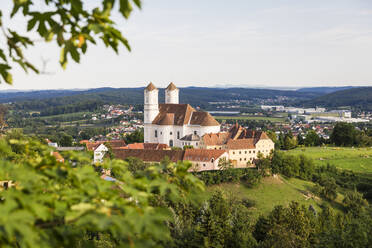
x,y
151,109
171,94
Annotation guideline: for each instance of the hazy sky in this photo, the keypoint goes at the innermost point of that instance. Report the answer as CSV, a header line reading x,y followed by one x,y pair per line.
x,y
273,43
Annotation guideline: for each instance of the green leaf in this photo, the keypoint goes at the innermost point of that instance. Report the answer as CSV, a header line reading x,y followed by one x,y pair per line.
x,y
2,55
125,8
31,23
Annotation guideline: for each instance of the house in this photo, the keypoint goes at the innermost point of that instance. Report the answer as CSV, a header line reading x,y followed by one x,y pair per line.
x,y
147,146
149,156
190,140
169,122
203,160
99,153
200,159
91,146
243,145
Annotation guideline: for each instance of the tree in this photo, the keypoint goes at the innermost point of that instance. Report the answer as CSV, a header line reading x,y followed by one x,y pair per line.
x,y
65,140
135,137
300,139
343,134
354,202
290,226
224,164
3,112
312,139
289,142
68,23
263,164
329,187
69,205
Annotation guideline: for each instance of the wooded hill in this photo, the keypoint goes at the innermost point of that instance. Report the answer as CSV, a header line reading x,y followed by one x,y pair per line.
x,y
85,100
196,96
356,98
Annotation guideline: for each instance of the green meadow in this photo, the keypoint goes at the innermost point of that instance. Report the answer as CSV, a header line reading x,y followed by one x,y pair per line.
x,y
273,191
355,159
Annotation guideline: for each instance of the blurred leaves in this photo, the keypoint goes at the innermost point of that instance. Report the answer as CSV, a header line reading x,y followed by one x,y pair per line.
x,y
69,24
53,204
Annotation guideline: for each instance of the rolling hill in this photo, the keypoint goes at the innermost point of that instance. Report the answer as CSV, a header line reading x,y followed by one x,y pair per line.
x,y
196,96
356,98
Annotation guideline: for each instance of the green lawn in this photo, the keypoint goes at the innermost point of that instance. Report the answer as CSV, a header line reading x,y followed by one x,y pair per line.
x,y
256,118
355,159
275,191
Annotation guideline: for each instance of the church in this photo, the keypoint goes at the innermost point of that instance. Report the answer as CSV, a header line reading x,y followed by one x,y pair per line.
x,y
172,123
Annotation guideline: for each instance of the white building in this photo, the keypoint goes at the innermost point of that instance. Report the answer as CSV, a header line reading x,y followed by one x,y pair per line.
x,y
99,153
167,123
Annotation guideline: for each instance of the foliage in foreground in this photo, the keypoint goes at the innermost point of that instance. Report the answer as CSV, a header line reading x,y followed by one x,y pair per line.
x,y
54,204
70,24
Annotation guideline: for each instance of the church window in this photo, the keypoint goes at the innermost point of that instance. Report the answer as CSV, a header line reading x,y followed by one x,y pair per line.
x,y
195,132
156,133
178,135
171,143
212,160
170,133
204,165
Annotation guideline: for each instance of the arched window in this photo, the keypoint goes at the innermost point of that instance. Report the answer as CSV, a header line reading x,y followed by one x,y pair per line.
x,y
212,160
156,133
171,143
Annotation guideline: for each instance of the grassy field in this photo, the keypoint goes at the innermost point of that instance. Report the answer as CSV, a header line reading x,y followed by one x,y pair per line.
x,y
275,191
355,159
256,118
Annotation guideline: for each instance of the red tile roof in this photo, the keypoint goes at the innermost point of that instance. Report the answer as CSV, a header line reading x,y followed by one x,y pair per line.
x,y
146,146
240,144
182,114
149,155
91,146
202,154
213,139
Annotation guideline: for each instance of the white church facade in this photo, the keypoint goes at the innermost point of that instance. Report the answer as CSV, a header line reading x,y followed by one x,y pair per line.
x,y
169,122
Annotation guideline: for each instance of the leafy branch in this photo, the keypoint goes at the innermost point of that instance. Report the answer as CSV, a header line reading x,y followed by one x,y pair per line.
x,y
69,24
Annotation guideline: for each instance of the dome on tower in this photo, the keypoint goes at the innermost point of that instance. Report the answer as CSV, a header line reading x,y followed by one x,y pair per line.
x,y
171,86
150,87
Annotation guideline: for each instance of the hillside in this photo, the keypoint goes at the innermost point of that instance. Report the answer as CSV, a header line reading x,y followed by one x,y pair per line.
x,y
196,96
324,90
356,98
273,191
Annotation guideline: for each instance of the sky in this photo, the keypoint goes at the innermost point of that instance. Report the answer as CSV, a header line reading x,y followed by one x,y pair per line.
x,y
250,43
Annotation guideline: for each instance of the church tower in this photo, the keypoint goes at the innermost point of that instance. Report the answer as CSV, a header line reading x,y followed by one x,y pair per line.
x,y
171,94
150,110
